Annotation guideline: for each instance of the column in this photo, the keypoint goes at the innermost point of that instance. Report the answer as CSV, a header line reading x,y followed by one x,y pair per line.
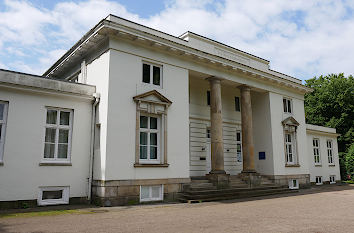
x,y
217,144
247,131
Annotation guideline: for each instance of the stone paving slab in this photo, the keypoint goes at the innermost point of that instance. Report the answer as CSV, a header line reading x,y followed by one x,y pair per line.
x,y
319,209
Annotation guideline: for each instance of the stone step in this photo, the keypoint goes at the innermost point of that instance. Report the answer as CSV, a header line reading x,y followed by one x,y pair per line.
x,y
199,181
255,193
230,190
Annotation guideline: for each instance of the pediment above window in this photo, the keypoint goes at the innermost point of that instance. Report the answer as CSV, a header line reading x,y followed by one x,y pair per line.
x,y
290,124
152,102
153,96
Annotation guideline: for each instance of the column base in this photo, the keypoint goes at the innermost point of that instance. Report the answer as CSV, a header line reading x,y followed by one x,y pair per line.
x,y
252,178
220,180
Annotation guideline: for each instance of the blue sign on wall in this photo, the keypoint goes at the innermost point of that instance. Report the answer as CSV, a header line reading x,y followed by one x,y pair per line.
x,y
261,155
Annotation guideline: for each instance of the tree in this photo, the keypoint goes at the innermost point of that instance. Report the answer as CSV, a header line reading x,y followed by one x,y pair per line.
x,y
331,104
349,161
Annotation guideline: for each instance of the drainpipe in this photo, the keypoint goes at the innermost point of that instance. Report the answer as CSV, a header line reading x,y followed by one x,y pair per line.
x,y
92,143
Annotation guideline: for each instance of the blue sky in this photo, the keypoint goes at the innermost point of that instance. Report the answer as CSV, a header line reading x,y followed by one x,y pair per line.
x,y
300,38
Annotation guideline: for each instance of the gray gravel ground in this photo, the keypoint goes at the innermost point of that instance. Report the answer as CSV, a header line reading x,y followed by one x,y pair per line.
x,y
325,209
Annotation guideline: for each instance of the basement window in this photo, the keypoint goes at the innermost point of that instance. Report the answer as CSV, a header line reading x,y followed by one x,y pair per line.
x,y
293,184
319,180
332,179
53,196
151,193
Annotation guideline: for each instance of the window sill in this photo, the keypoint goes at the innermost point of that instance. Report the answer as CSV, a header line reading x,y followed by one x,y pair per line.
x,y
151,165
292,165
331,165
318,165
55,164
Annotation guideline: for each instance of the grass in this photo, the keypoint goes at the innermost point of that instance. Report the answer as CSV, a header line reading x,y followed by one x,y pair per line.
x,y
44,213
349,181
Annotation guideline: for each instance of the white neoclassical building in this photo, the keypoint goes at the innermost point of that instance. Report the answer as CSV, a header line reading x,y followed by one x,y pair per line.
x,y
131,114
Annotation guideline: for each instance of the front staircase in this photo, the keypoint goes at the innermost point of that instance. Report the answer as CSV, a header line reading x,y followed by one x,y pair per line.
x,y
201,190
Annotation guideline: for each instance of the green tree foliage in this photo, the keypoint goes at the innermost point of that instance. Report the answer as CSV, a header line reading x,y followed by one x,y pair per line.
x,y
331,104
349,161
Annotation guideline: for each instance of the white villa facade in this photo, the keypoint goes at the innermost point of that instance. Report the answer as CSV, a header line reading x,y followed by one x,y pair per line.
x,y
129,114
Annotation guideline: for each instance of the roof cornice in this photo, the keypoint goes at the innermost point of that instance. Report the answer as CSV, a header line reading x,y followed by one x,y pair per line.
x,y
175,45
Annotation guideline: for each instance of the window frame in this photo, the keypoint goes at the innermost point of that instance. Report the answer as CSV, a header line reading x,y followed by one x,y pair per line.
x,y
150,198
57,127
316,157
3,124
330,152
239,142
332,179
208,97
148,130
287,102
293,149
63,200
319,180
291,184
237,104
151,77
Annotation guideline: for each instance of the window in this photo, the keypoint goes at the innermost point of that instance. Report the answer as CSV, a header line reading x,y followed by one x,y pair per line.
x,y
149,138
151,129
293,184
238,146
208,132
287,105
237,104
332,179
319,180
208,98
58,130
152,74
3,118
289,148
316,151
151,193
330,152
53,195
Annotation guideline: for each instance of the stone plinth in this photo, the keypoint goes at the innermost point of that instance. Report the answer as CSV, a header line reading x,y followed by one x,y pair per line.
x,y
253,179
220,180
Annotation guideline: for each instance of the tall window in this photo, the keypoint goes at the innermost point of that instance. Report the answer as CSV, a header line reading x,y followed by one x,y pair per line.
x,y
3,118
238,146
316,151
208,98
237,104
152,74
330,151
58,130
149,139
287,105
289,148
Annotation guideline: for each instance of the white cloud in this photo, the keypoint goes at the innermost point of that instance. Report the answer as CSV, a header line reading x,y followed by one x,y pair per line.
x,y
300,37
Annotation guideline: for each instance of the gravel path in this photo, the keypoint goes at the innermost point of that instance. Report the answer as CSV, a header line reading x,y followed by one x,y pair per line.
x,y
325,209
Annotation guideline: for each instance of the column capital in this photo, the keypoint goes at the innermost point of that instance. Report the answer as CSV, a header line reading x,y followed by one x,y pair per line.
x,y
244,87
214,79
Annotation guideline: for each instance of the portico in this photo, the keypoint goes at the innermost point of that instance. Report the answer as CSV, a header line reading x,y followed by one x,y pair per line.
x,y
217,173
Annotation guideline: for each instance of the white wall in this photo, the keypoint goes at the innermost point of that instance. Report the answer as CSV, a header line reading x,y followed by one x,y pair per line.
x,y
21,175
262,132
98,75
324,170
124,83
277,116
